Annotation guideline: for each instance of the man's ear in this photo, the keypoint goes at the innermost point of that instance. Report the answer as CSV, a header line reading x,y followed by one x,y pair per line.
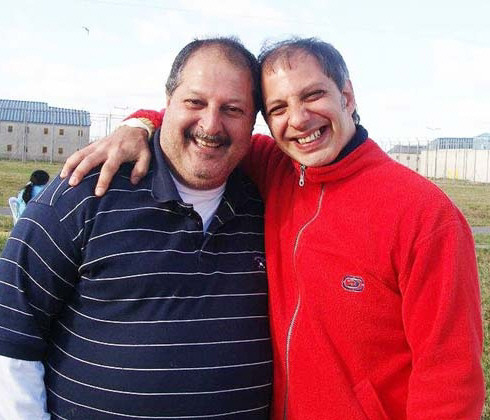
x,y
348,100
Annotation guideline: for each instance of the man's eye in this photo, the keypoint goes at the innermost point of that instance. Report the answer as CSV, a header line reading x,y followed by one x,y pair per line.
x,y
313,96
194,103
277,110
234,110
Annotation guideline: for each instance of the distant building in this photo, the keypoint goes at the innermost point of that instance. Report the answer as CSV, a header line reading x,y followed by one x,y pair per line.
x,y
466,158
481,142
408,155
35,131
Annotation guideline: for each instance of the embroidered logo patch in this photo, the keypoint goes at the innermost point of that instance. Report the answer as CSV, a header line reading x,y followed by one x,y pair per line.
x,y
353,283
260,262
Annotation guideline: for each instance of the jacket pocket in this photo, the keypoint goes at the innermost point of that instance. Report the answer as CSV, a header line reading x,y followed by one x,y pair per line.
x,y
369,401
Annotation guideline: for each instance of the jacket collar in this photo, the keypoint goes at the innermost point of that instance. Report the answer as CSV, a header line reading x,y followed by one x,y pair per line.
x,y
360,152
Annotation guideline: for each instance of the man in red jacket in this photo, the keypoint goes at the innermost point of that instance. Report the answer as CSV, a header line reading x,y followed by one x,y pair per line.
x,y
374,297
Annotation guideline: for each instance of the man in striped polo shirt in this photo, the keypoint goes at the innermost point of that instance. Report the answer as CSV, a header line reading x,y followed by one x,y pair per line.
x,y
150,302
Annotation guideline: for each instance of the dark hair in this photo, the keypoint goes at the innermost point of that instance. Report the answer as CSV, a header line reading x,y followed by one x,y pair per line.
x,y
328,57
233,50
38,177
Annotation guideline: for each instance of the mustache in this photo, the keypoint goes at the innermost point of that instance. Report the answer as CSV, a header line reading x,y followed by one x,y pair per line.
x,y
201,134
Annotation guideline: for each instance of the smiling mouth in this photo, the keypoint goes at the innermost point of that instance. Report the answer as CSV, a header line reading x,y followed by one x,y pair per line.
x,y
312,137
206,143
204,140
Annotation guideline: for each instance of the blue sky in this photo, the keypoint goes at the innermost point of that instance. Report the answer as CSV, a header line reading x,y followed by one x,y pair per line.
x,y
420,69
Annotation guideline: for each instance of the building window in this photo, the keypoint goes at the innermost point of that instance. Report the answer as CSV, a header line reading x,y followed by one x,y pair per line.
x,y
408,157
45,149
10,128
80,133
25,149
60,150
27,129
9,147
62,132
46,131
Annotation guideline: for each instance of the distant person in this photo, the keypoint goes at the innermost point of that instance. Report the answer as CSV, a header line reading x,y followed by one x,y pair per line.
x,y
37,182
374,299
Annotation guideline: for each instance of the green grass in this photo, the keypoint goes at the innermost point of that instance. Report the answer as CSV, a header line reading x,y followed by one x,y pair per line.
x,y
483,256
5,228
472,199
482,240
15,175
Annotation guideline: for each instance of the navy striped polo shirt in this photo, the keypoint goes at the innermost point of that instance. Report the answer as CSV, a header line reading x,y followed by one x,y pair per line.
x,y
133,310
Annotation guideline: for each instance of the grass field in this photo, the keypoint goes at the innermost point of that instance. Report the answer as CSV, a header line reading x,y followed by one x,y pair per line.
x,y
15,175
472,199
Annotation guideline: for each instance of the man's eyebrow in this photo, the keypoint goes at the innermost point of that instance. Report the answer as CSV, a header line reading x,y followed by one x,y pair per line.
x,y
232,100
311,87
194,92
304,91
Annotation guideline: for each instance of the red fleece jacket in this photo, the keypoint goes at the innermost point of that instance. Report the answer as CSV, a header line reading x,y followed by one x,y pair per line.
x,y
374,297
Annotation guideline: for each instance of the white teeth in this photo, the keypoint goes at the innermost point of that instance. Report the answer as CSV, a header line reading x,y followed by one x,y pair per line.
x,y
205,143
309,138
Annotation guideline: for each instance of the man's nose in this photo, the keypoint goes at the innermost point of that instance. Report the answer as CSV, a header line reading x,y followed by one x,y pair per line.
x,y
211,121
298,116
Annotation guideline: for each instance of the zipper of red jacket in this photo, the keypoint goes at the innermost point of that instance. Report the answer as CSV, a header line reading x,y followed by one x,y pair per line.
x,y
298,303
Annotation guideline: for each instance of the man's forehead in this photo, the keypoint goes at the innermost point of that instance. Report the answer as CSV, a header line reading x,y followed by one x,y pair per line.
x,y
201,69
287,60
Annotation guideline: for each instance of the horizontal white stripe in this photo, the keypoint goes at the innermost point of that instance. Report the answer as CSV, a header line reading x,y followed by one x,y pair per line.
x,y
186,369
15,310
167,321
172,273
261,233
129,191
146,251
31,278
202,416
154,394
11,285
209,343
125,210
175,297
54,413
52,240
165,251
44,262
49,315
85,179
20,333
165,232
90,197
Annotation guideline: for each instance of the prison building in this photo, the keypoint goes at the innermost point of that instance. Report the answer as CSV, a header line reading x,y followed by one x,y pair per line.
x,y
36,131
481,142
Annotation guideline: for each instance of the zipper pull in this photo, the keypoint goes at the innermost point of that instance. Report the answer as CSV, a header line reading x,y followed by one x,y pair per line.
x,y
302,175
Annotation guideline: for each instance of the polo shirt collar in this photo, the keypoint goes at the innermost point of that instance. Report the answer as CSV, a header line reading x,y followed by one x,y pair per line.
x,y
162,185
237,190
